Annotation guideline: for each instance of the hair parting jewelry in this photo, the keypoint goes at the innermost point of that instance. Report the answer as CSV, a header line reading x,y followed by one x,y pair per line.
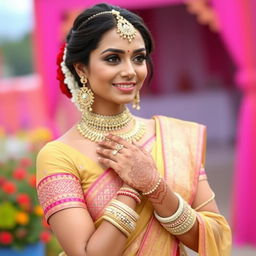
x,y
124,28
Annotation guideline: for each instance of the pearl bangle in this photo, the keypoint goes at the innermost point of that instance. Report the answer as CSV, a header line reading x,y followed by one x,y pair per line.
x,y
176,215
153,189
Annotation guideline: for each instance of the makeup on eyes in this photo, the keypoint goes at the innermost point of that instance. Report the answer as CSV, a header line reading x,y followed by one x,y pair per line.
x,y
114,50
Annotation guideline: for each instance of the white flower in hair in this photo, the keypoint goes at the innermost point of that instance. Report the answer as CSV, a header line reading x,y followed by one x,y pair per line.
x,y
70,80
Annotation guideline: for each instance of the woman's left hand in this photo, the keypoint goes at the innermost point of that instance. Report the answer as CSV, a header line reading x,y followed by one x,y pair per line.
x,y
132,163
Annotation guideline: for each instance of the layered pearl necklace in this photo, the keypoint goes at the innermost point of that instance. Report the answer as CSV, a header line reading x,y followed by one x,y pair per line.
x,y
95,127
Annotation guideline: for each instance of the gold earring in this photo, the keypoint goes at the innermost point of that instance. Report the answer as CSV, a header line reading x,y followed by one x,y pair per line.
x,y
136,101
85,96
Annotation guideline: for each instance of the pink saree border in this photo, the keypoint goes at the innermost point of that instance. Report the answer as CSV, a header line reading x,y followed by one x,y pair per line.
x,y
108,170
202,237
108,183
199,161
55,174
145,236
97,181
55,194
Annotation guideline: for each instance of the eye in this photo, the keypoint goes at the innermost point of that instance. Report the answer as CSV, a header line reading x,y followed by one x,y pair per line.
x,y
112,59
140,58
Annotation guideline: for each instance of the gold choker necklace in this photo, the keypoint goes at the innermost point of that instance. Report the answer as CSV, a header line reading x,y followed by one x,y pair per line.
x,y
95,127
107,123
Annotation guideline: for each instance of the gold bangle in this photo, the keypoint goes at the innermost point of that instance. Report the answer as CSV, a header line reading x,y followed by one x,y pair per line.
x,y
125,208
119,215
206,202
109,219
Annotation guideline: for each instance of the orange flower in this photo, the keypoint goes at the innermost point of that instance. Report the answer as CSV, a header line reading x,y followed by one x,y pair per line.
x,y
38,210
22,218
9,187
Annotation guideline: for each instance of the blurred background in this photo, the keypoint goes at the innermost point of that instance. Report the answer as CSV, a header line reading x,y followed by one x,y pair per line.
x,y
205,71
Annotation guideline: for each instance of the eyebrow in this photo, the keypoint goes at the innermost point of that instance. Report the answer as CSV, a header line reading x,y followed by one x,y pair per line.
x,y
122,51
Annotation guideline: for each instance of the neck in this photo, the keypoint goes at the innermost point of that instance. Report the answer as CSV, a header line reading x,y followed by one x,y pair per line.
x,y
108,110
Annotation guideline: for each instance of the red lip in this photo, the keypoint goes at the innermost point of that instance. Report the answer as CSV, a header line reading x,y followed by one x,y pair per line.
x,y
126,83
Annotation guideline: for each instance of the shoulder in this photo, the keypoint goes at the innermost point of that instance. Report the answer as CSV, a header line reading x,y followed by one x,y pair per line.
x,y
55,153
53,147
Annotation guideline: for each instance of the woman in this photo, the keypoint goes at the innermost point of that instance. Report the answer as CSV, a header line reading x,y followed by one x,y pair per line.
x,y
117,184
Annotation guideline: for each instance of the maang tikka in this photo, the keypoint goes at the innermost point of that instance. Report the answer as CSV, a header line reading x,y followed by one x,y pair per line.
x,y
123,27
84,96
136,101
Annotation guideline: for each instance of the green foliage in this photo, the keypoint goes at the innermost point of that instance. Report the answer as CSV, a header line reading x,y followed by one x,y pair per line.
x,y
17,55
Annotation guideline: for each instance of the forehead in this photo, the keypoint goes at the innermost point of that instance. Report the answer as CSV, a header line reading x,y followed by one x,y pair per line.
x,y
111,39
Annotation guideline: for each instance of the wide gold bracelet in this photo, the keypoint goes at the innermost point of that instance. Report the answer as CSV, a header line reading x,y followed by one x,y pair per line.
x,y
121,216
116,224
125,208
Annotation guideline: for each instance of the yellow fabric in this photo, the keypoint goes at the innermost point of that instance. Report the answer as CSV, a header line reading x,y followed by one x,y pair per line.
x,y
214,235
58,157
179,151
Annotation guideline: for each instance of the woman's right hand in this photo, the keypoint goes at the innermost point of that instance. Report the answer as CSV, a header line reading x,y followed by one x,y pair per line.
x,y
132,163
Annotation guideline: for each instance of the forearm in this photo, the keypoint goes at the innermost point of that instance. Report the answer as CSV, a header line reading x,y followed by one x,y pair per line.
x,y
165,203
108,238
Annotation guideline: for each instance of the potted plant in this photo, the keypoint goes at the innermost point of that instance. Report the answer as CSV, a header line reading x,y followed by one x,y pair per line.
x,y
22,227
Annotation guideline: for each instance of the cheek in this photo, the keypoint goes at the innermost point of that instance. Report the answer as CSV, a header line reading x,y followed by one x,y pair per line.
x,y
143,71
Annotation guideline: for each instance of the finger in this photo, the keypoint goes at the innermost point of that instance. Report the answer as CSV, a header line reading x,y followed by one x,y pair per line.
x,y
108,162
108,144
107,153
119,140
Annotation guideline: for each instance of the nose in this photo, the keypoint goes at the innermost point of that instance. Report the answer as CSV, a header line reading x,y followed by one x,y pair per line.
x,y
128,70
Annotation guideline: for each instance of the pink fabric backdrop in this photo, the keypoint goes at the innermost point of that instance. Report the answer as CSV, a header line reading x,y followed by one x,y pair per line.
x,y
22,106
238,28
239,34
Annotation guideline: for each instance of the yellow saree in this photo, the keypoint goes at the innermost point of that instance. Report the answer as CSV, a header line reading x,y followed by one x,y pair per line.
x,y
178,149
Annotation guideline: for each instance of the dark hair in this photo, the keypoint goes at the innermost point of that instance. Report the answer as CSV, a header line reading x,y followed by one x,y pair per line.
x,y
85,35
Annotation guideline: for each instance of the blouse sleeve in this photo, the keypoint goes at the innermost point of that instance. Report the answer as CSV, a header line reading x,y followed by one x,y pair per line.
x,y
58,182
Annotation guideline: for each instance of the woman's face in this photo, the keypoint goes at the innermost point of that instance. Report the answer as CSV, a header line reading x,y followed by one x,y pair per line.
x,y
116,71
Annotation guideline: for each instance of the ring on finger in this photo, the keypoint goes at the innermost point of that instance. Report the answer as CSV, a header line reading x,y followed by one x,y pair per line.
x,y
118,147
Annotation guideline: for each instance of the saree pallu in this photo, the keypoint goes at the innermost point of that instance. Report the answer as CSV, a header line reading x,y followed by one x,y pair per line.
x,y
178,150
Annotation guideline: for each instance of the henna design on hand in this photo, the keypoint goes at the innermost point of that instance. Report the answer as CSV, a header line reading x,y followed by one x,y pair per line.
x,y
143,174
159,195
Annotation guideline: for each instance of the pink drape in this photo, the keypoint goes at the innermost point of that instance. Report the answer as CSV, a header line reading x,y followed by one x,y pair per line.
x,y
238,23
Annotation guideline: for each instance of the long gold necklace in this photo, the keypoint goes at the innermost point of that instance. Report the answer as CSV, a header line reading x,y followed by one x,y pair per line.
x,y
95,127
